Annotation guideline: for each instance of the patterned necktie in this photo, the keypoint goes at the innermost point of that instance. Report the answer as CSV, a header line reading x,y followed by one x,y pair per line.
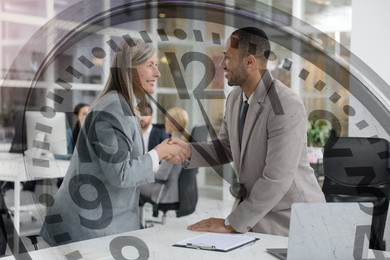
x,y
244,110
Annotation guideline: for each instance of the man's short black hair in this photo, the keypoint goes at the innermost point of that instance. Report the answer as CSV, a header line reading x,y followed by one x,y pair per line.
x,y
252,40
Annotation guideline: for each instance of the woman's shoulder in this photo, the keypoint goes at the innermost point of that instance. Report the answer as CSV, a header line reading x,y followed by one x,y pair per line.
x,y
113,102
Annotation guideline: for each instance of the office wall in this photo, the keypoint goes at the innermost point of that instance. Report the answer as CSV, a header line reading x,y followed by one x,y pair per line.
x,y
370,36
370,39
370,43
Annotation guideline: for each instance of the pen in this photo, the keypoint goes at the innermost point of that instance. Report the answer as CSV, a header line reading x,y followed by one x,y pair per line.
x,y
190,245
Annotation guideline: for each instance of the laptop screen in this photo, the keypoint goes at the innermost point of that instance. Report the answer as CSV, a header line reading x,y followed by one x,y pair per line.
x,y
328,231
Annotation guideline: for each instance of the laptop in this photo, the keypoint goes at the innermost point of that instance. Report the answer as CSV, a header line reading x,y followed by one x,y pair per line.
x,y
327,231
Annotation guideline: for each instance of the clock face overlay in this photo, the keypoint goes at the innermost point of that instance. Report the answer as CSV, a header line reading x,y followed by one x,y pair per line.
x,y
190,39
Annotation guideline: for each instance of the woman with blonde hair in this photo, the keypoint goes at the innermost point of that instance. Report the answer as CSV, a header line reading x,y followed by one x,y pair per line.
x,y
176,123
100,192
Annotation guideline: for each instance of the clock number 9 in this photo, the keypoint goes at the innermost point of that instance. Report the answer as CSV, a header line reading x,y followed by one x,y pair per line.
x,y
102,199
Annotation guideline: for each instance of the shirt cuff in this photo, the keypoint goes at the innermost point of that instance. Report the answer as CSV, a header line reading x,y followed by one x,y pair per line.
x,y
153,154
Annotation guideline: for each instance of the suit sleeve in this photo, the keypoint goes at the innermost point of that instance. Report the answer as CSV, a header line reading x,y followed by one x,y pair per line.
x,y
286,138
113,143
215,152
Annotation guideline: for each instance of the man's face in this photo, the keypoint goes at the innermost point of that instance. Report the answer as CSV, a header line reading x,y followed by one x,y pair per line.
x,y
233,65
146,120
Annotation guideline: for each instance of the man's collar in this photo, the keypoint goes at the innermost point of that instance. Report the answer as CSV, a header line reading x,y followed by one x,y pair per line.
x,y
244,98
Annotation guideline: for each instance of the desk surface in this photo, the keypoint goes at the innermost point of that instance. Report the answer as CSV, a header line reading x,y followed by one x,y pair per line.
x,y
159,241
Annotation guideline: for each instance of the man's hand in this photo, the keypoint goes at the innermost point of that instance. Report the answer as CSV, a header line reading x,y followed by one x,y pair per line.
x,y
173,153
210,225
185,148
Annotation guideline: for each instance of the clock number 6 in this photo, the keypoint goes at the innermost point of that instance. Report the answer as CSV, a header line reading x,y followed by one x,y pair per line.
x,y
118,243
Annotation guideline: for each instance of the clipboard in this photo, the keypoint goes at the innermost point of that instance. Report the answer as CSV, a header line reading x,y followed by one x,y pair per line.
x,y
219,242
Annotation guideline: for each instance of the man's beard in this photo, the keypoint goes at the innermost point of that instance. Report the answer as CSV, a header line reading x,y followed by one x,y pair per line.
x,y
239,77
144,126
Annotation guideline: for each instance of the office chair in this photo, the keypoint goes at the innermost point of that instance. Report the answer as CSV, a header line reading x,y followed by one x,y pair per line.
x,y
3,233
188,189
356,169
188,198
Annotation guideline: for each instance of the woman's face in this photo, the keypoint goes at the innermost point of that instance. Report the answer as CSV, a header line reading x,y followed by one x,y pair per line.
x,y
148,74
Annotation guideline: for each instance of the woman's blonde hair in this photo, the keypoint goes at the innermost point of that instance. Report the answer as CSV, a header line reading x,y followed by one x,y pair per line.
x,y
123,75
179,119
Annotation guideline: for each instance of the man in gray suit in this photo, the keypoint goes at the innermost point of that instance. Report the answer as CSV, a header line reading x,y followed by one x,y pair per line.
x,y
267,142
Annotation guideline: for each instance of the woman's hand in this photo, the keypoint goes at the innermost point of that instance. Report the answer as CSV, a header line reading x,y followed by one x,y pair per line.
x,y
186,146
173,150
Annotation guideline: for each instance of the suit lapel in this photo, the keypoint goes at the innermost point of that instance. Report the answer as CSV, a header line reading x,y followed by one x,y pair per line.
x,y
255,109
236,119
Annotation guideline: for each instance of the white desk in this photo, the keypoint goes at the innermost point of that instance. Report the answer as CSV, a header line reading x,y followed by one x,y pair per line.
x,y
17,168
159,241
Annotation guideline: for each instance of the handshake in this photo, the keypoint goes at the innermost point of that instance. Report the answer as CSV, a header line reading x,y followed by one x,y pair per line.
x,y
173,150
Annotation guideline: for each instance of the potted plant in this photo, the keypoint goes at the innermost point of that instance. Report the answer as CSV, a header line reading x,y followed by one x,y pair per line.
x,y
318,131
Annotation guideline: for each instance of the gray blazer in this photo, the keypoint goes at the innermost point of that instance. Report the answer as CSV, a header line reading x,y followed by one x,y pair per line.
x,y
272,161
100,192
